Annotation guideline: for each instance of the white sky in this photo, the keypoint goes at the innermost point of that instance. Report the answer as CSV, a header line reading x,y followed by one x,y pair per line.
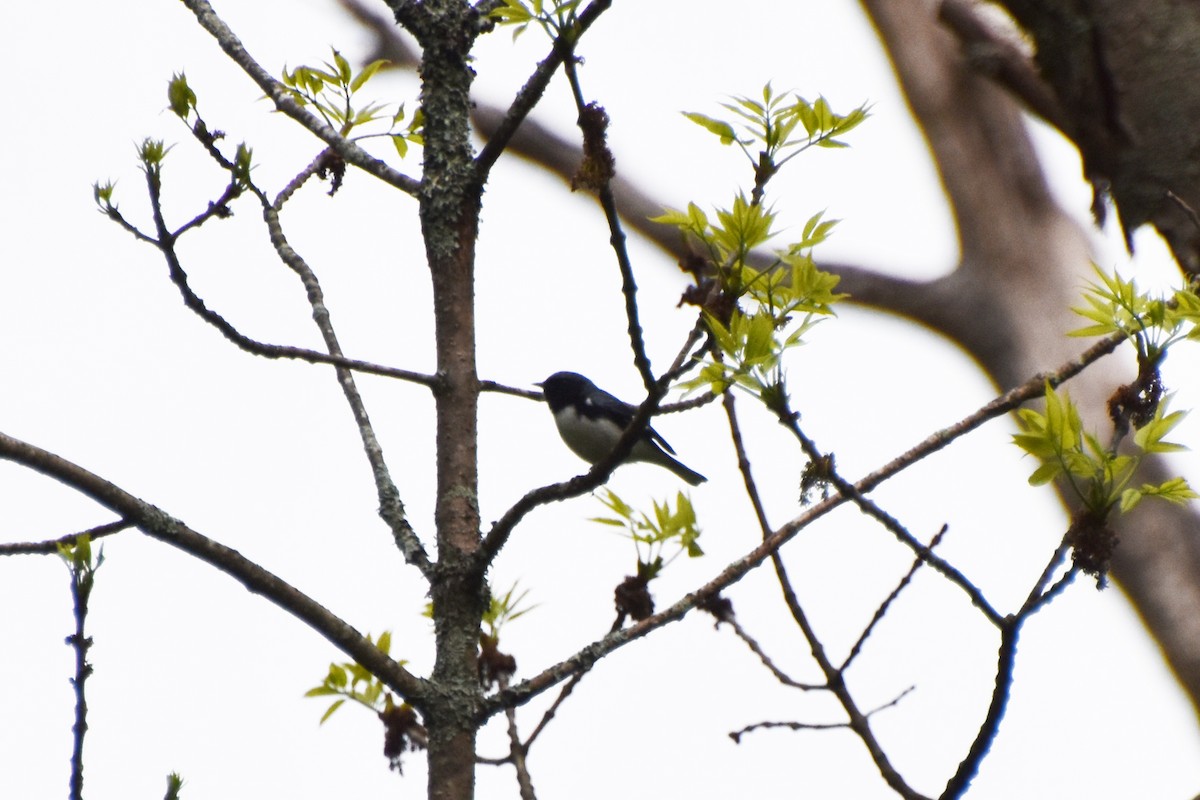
x,y
194,674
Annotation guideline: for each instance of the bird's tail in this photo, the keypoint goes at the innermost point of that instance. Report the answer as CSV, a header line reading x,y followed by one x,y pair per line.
x,y
683,471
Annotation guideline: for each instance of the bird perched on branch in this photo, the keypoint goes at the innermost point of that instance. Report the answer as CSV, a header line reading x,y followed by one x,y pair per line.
x,y
591,421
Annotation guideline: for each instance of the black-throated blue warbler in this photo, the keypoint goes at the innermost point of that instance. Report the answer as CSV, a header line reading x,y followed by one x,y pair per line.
x,y
591,421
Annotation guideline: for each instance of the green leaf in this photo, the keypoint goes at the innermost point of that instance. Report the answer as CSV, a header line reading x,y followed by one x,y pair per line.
x,y
180,96
367,73
103,194
721,334
1175,490
721,129
1045,473
1150,436
1130,499
332,708
343,68
174,785
337,676
671,216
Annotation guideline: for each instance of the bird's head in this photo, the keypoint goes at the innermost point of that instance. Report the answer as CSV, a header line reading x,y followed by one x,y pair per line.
x,y
564,388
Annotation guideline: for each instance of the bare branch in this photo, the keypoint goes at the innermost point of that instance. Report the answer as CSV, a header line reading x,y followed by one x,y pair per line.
x,y
961,781
815,726
166,245
568,687
872,509
1033,388
1036,593
857,720
391,508
883,607
600,165
834,680
517,750
52,546
154,522
755,648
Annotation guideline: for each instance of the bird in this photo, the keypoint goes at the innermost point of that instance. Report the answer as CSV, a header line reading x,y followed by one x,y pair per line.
x,y
591,421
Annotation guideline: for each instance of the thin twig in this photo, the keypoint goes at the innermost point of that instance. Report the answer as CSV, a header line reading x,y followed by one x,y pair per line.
x,y
165,242
856,720
517,750
1053,591
617,236
567,688
755,648
82,581
872,509
815,726
391,508
883,607
216,208
1039,588
299,179
51,547
1033,388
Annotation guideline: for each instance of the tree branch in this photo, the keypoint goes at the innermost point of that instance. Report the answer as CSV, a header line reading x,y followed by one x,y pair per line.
x,y
158,525
596,172
815,726
391,507
51,547
883,607
967,769
165,243
857,720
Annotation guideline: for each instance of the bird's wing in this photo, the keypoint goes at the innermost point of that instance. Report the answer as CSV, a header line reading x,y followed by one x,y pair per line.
x,y
622,414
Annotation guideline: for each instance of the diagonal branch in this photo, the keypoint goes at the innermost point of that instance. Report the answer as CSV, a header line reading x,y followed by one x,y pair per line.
x,y
880,612
165,242
961,780
600,164
157,524
815,726
51,547
391,507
